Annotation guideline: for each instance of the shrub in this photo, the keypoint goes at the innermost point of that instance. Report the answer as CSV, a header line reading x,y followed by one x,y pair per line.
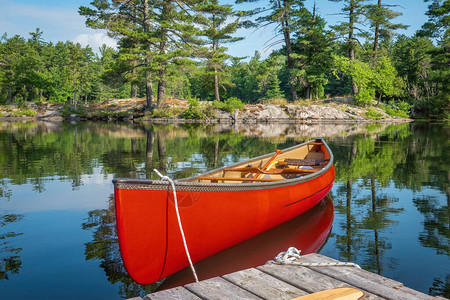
x,y
69,110
164,112
229,105
374,114
397,109
23,112
194,111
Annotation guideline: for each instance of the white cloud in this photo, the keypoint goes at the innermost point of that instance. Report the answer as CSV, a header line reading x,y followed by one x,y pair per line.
x,y
58,23
95,40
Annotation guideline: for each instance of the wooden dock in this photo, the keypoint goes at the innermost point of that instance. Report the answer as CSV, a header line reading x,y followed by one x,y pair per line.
x,y
289,281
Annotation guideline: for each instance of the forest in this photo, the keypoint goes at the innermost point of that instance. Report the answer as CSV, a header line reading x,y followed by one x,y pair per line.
x,y
180,49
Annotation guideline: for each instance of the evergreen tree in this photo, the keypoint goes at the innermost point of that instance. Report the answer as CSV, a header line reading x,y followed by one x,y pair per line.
x,y
438,27
176,38
218,30
281,13
354,10
380,16
412,60
132,23
312,47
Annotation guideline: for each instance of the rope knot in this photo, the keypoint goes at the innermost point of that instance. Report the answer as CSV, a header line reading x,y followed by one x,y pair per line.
x,y
292,257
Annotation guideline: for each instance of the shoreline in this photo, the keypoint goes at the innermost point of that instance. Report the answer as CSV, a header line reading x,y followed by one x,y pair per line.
x,y
336,110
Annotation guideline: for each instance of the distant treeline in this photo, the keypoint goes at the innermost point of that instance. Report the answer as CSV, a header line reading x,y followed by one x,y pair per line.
x,y
177,48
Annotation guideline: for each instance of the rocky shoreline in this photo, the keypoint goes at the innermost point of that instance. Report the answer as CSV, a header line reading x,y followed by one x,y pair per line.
x,y
335,110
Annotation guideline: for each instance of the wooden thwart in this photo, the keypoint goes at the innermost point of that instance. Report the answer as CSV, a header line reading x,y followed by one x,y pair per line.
x,y
273,172
216,179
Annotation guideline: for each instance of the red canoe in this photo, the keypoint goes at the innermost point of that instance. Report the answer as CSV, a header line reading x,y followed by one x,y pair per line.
x,y
218,209
307,232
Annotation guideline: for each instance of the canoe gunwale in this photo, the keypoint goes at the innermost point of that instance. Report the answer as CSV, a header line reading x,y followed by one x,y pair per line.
x,y
185,185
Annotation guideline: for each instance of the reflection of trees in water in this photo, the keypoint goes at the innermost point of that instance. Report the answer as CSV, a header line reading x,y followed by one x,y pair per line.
x,y
10,262
366,165
441,287
379,217
394,157
436,233
5,191
105,248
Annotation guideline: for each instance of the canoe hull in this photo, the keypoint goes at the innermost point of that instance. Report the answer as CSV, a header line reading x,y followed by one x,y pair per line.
x,y
307,232
213,220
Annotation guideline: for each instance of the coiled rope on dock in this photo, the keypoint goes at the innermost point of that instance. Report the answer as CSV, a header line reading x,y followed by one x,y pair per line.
x,y
166,178
292,257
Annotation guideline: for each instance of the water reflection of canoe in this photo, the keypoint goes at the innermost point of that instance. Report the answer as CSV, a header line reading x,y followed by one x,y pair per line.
x,y
218,209
307,233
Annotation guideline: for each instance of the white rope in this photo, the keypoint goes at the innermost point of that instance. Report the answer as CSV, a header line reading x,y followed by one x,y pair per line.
x,y
292,257
179,221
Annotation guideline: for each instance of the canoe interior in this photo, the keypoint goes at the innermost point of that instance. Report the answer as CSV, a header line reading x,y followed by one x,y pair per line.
x,y
312,151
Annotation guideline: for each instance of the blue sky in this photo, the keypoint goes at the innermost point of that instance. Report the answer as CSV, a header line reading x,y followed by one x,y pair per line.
x,y
59,20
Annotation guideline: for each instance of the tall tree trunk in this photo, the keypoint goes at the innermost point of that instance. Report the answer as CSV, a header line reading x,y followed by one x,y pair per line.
x,y
161,86
148,90
216,85
10,96
133,85
162,50
216,76
148,81
290,60
351,40
377,34
75,100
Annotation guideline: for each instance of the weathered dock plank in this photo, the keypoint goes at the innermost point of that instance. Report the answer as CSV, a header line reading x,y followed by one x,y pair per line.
x,y
263,285
307,279
365,280
219,289
175,293
290,281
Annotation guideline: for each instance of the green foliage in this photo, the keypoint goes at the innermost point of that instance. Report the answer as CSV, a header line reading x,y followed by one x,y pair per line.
x,y
164,112
230,105
178,47
380,78
397,109
194,110
374,114
68,110
312,52
362,75
23,112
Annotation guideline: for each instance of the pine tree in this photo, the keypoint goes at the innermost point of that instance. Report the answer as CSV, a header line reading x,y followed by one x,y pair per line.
x,y
312,47
176,38
380,16
217,30
131,23
438,27
280,13
354,10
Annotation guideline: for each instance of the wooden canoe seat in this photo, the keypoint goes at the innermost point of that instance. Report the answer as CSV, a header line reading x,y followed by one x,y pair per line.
x,y
217,179
273,171
304,162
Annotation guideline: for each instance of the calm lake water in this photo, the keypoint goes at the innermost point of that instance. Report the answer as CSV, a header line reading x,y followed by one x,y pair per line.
x,y
57,231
